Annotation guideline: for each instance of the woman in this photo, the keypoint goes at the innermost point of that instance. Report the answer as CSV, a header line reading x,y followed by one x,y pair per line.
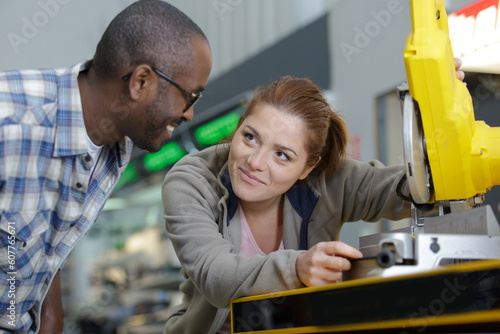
x,y
261,213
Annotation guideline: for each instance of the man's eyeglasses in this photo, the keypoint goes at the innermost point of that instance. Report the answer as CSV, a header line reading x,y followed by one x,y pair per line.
x,y
193,97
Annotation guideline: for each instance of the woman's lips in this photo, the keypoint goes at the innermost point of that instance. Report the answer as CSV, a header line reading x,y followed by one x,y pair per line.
x,y
249,178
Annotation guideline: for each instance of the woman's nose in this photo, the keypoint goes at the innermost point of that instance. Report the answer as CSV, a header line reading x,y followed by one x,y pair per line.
x,y
257,160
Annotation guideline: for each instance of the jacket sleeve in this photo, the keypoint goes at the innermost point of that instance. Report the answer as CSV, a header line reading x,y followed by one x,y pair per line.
x,y
191,213
366,191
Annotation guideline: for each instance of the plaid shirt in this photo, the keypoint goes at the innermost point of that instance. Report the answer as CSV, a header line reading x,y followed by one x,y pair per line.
x,y
48,197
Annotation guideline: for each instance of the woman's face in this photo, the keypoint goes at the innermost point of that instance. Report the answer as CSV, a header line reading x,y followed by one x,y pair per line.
x,y
267,155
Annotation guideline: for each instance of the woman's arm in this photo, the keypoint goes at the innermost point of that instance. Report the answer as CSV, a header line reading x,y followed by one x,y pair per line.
x,y
365,191
191,213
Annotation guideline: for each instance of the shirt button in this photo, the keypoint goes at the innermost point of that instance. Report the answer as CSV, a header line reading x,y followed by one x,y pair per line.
x,y
79,185
87,158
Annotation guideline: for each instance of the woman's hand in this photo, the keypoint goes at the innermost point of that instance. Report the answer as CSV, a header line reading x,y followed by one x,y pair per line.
x,y
460,74
323,263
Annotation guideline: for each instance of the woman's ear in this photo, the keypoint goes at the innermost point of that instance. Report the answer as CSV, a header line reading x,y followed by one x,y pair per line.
x,y
308,170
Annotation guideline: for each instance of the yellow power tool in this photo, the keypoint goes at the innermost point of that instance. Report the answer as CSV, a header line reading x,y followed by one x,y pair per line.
x,y
448,154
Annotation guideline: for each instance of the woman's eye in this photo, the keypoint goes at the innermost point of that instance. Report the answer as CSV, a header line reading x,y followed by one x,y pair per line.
x,y
249,137
282,156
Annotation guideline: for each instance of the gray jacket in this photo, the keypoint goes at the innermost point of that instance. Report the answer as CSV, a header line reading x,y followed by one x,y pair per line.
x,y
199,210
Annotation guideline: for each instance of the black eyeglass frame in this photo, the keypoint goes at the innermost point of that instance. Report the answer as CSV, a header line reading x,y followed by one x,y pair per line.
x,y
193,97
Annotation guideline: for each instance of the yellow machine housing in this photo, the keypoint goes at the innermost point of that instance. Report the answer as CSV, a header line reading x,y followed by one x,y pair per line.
x,y
463,154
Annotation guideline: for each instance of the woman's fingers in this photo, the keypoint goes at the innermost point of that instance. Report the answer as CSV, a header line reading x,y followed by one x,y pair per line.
x,y
323,263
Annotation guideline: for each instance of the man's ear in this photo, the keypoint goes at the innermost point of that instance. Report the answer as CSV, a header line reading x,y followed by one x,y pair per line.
x,y
142,82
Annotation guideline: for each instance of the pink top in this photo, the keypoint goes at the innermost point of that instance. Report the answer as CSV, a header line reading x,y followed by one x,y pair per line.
x,y
249,248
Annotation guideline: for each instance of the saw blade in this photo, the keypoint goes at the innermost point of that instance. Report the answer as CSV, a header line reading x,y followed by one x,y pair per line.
x,y
417,171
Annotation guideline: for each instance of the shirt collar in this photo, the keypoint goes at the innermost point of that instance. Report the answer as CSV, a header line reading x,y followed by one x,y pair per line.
x,y
124,149
70,133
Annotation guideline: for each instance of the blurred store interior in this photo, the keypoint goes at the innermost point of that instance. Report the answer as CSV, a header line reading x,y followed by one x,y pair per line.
x,y
122,277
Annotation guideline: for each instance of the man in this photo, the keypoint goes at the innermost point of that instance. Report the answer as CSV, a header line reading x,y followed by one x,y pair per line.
x,y
66,136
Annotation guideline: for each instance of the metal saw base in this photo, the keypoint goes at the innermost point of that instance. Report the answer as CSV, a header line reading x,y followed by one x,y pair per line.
x,y
449,239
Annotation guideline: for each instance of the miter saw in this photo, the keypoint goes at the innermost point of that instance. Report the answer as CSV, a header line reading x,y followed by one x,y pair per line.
x,y
414,279
451,161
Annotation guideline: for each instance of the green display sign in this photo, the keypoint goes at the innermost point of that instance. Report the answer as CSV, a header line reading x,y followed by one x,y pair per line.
x,y
168,155
206,135
218,129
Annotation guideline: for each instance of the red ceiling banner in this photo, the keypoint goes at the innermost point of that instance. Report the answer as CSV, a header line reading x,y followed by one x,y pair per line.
x,y
475,36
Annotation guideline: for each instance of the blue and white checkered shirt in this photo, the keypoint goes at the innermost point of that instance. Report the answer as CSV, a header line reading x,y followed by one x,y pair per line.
x,y
48,197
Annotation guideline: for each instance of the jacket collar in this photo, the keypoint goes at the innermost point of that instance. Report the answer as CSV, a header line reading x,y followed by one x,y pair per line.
x,y
232,200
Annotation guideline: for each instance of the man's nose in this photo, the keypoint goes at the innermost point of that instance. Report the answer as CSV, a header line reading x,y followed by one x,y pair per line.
x,y
188,114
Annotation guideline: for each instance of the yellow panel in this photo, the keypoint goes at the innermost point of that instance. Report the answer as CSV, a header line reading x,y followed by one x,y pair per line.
x,y
464,154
